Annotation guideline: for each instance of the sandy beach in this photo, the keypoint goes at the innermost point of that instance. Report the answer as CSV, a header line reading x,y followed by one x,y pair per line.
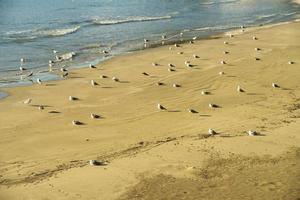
x,y
162,154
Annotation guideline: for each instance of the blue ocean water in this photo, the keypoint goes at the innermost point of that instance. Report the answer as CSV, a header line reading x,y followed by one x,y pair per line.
x,y
32,29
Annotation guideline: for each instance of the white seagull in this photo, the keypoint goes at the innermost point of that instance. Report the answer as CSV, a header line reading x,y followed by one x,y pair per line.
x,y
39,81
211,132
27,101
160,107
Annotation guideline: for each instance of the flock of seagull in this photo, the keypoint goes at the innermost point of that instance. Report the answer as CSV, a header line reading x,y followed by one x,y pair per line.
x,y
160,107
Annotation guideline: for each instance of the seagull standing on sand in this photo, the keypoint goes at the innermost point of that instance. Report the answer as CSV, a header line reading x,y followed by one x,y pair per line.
x,y
252,133
211,132
27,101
22,60
71,98
223,62
154,64
92,66
195,56
254,38
175,85
95,116
160,107
93,83
191,110
290,62
76,122
115,79
274,85
221,73
171,65
239,89
204,92
41,108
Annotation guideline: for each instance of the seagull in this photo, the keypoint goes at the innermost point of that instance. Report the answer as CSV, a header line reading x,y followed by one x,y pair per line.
x,y
225,42
176,45
192,110
51,62
225,52
27,101
63,69
257,49
223,62
71,98
22,60
211,132
180,53
274,85
39,81
145,40
159,83
254,38
231,36
64,75
257,58
93,83
221,73
22,68
195,56
171,70
92,66
176,85
146,74
181,34
30,74
239,89
97,163
242,27
191,42
103,76
291,62
171,65
186,62
204,92
41,108
160,107
76,122
170,48
252,133
115,79
95,116
163,37
154,64
194,38
211,105
54,51
105,52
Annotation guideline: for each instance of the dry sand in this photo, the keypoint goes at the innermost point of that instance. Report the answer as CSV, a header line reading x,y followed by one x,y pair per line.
x,y
156,154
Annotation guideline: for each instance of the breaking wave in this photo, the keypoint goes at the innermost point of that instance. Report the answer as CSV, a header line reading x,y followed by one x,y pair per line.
x,y
128,20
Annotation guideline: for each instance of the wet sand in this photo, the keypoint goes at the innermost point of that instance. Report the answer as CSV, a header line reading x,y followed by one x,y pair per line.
x,y
155,154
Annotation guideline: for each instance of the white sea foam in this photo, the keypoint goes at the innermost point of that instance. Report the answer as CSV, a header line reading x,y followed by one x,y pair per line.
x,y
58,32
38,33
128,20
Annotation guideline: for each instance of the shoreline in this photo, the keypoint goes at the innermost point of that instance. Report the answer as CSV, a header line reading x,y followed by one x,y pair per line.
x,y
156,44
162,154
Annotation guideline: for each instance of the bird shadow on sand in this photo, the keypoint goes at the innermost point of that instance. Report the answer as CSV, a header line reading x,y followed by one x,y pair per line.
x,y
174,111
202,115
50,84
54,112
254,94
107,87
45,106
124,81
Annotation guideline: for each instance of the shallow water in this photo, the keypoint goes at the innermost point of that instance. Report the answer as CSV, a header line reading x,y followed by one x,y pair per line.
x,y
31,29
